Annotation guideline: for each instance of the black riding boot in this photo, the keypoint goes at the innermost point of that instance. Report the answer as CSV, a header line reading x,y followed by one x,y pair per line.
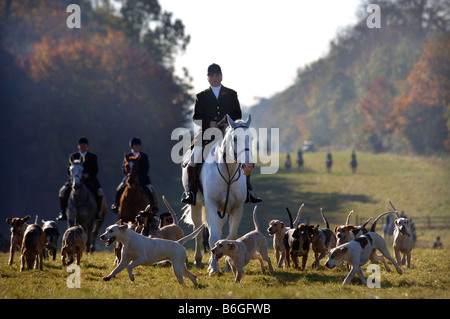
x,y
151,198
62,214
250,198
188,197
99,200
119,192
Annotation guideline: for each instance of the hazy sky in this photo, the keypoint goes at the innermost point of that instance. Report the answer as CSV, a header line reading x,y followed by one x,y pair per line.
x,y
259,44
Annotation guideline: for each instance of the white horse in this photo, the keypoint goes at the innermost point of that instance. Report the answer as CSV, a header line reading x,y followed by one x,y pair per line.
x,y
82,205
224,187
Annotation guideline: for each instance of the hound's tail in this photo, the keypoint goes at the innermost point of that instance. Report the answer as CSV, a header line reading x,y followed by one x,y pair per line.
x,y
347,222
324,218
365,224
395,210
299,214
255,222
191,235
174,216
372,229
290,216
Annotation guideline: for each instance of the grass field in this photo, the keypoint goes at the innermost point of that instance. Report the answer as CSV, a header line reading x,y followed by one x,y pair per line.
x,y
428,278
418,186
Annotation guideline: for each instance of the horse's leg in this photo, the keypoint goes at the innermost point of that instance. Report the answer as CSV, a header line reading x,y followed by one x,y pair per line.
x,y
88,230
235,219
215,225
92,237
196,216
70,216
99,223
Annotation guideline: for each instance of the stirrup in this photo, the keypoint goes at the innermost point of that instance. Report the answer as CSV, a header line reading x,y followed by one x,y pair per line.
x,y
61,216
114,208
252,199
188,198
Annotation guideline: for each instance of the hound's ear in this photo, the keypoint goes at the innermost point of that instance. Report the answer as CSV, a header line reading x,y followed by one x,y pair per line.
x,y
282,224
232,246
9,220
407,221
336,229
119,222
26,218
123,227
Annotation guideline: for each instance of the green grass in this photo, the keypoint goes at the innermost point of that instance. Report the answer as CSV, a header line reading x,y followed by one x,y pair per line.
x,y
419,186
428,278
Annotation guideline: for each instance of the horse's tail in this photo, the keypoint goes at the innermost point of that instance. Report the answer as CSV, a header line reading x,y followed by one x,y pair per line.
x,y
187,215
191,235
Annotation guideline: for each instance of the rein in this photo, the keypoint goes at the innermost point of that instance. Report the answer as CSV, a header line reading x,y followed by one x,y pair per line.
x,y
228,182
85,199
231,178
76,194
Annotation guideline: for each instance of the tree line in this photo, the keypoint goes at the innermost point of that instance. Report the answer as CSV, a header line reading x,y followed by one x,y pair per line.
x,y
381,89
109,80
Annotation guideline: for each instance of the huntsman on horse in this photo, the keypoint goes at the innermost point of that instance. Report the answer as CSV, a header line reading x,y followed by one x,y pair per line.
x,y
223,186
82,205
133,199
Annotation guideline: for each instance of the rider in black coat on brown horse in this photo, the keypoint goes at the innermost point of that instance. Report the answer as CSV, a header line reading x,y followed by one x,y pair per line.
x,y
144,180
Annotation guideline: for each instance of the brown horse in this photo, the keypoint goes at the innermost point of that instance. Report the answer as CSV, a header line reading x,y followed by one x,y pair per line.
x,y
133,199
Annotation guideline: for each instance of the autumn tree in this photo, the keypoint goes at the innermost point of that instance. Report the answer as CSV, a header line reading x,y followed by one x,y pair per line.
x,y
426,107
97,81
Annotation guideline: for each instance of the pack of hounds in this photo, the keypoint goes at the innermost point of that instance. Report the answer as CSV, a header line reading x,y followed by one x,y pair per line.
x,y
149,241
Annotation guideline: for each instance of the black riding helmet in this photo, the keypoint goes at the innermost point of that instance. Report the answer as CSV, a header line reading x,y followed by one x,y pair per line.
x,y
135,141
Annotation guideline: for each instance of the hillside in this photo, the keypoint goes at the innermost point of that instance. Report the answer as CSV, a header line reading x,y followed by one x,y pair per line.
x,y
377,90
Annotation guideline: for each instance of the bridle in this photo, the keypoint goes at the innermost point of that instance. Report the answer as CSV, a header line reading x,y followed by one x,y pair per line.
x,y
231,177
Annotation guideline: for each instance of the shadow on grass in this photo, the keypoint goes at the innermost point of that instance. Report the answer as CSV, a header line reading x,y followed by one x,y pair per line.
x,y
279,192
292,276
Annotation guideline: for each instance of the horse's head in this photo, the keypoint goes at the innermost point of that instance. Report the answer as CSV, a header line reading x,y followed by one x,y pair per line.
x,y
76,172
237,141
131,169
